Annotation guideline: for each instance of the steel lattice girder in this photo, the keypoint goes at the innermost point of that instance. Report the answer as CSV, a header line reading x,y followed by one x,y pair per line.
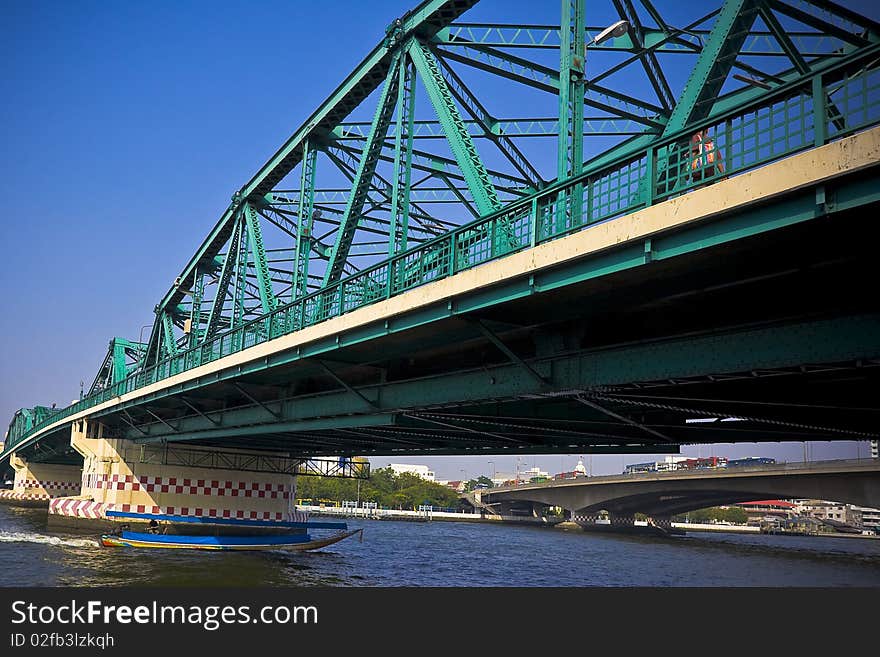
x,y
715,62
427,18
365,172
427,27
670,40
432,20
475,174
115,367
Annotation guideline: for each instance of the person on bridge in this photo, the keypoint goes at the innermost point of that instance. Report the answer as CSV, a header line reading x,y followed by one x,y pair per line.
x,y
705,160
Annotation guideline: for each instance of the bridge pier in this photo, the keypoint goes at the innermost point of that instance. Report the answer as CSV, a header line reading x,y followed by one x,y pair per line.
x,y
663,522
119,475
37,483
619,521
624,522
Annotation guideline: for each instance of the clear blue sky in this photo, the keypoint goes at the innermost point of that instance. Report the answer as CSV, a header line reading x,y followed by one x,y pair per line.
x,y
126,126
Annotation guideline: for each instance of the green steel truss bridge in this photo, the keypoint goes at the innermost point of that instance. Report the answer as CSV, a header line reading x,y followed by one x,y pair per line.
x,y
512,238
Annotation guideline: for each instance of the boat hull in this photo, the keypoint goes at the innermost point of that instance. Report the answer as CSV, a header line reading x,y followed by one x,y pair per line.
x,y
297,542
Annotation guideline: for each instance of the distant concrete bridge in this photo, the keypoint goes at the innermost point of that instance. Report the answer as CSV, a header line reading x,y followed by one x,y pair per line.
x,y
662,495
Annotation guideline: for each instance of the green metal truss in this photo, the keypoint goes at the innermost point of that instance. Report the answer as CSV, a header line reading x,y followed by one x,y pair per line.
x,y
570,149
425,189
222,291
493,129
714,64
650,63
364,175
123,357
475,174
258,253
403,149
169,344
305,221
659,40
195,315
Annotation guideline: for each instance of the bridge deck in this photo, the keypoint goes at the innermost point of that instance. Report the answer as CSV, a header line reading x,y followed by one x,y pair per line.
x,y
771,470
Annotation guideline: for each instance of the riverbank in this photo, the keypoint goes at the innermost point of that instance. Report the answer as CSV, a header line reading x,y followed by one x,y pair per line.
x,y
430,515
420,516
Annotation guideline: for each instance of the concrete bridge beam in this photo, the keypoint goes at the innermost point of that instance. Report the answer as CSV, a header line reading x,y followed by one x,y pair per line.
x,y
663,495
647,496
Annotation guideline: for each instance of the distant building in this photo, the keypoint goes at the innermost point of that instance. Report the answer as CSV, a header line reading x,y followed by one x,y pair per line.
x,y
828,510
535,473
762,510
457,486
870,517
419,470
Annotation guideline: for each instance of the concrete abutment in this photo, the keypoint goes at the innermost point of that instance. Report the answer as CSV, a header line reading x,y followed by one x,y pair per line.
x,y
120,475
38,483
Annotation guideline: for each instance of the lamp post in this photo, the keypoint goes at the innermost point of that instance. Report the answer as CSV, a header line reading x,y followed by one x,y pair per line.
x,y
141,334
618,29
492,463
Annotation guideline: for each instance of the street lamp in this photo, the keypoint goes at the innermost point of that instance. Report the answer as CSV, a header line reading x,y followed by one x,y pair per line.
x,y
611,32
141,334
492,463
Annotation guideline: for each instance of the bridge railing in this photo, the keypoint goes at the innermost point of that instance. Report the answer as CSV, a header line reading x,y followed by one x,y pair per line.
x,y
810,111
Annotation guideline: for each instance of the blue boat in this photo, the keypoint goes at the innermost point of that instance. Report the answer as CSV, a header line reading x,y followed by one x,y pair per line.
x,y
221,534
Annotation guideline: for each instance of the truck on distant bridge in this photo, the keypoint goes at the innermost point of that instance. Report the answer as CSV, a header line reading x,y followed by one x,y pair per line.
x,y
698,464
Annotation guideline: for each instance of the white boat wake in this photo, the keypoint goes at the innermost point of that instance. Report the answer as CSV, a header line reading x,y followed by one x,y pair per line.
x,y
24,537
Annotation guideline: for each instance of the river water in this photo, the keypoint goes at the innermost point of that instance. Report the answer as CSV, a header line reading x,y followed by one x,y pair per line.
x,y
399,553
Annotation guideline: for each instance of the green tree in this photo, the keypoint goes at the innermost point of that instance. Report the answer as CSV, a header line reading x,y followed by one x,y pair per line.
x,y
384,487
737,515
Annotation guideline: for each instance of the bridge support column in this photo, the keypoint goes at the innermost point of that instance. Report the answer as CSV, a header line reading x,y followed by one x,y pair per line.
x,y
619,521
583,518
663,522
119,475
37,483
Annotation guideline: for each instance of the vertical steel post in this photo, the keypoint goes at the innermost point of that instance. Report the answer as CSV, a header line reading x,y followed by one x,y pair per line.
x,y
364,176
168,335
820,111
403,146
305,220
570,149
195,314
230,262
240,278
261,265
